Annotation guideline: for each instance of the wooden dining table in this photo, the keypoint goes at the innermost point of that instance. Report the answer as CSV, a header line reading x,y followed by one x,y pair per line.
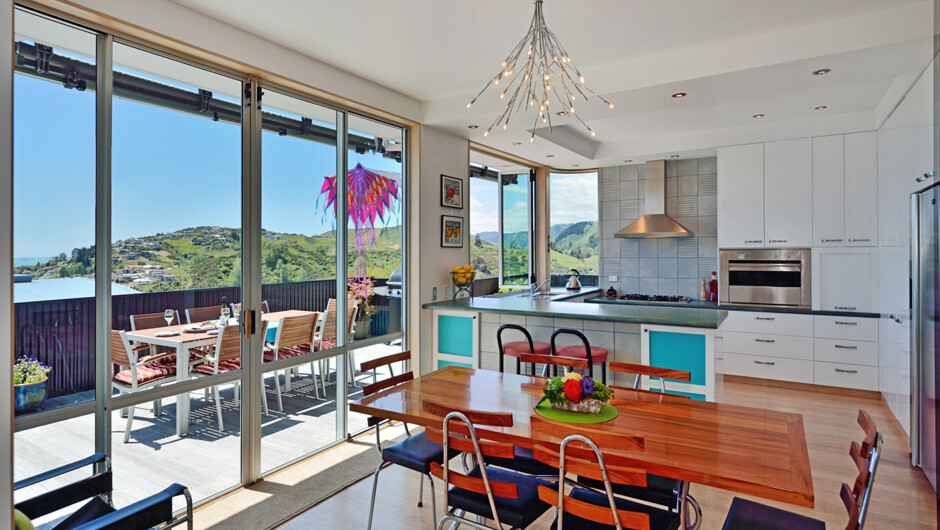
x,y
743,449
182,343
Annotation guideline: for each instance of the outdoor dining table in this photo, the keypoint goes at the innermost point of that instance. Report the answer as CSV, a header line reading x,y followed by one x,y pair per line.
x,y
182,343
743,449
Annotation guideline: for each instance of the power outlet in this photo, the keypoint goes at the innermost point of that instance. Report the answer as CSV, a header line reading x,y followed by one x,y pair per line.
x,y
433,293
445,289
611,278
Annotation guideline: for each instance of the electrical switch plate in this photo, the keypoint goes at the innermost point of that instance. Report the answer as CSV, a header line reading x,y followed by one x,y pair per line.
x,y
611,278
433,293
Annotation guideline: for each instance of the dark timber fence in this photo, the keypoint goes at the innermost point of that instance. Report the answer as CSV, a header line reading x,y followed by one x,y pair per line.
x,y
61,333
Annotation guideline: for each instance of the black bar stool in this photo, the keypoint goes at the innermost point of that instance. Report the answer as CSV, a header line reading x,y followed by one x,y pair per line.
x,y
593,354
517,348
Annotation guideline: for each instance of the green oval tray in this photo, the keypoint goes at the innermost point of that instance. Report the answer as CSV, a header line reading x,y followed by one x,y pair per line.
x,y
545,409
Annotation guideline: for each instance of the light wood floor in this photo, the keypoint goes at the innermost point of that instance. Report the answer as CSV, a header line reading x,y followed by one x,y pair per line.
x,y
901,498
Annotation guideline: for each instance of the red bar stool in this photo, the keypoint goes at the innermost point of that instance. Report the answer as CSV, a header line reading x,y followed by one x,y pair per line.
x,y
593,354
517,348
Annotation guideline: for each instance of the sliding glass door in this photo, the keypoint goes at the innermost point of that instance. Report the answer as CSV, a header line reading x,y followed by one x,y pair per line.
x,y
203,263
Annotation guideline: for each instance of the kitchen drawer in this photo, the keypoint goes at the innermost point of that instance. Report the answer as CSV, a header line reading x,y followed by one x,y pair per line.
x,y
766,322
851,328
768,345
847,351
847,375
795,370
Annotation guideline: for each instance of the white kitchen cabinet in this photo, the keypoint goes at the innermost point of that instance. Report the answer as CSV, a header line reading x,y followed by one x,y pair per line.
x,y
788,193
861,189
741,196
829,191
845,279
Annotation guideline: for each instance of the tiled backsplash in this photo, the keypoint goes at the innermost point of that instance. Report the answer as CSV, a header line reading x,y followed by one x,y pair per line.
x,y
659,266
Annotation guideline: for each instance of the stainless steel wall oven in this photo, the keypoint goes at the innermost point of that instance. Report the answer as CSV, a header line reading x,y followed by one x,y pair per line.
x,y
772,277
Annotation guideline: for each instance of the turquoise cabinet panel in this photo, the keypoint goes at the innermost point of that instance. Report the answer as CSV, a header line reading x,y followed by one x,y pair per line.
x,y
442,364
455,335
679,351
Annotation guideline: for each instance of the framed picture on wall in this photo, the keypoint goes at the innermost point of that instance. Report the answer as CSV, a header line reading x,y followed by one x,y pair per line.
x,y
451,192
451,231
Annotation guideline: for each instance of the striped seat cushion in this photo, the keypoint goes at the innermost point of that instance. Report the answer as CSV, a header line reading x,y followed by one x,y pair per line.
x,y
224,366
147,373
287,353
193,357
515,349
326,345
598,355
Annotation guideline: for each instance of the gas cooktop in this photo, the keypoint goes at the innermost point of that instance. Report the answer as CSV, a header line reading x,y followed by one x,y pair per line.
x,y
633,297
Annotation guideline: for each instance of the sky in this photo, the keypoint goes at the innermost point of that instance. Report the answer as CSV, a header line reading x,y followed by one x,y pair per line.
x,y
573,198
170,170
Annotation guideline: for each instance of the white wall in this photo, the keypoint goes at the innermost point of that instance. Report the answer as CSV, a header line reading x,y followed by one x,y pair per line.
x,y
6,261
445,153
178,22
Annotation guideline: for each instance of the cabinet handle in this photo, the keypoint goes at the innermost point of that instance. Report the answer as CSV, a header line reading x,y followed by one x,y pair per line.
x,y
777,241
844,323
719,358
846,347
833,240
764,318
925,176
841,371
753,240
765,363
845,308
851,240
767,341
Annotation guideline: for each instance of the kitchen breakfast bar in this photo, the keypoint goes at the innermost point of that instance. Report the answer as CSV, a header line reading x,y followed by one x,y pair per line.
x,y
464,334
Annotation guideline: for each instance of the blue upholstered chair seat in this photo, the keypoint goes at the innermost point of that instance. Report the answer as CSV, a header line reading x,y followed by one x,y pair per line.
x,y
659,490
524,462
519,512
416,453
750,515
659,519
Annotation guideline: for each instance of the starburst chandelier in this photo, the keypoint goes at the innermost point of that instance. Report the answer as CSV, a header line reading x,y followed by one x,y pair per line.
x,y
539,72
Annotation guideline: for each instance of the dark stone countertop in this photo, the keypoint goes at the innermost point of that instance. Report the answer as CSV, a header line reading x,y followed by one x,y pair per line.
x,y
636,314
704,304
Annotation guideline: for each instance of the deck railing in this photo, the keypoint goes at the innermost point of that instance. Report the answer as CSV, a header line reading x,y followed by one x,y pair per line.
x,y
61,333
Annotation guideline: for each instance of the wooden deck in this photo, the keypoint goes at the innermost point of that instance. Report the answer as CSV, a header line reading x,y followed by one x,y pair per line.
x,y
206,460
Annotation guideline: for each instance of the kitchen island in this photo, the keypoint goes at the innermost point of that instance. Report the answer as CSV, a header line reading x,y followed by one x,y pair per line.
x,y
464,334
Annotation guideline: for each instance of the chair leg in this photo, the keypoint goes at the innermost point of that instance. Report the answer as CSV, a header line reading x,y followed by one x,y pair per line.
x,y
158,407
313,377
218,406
277,384
604,373
375,484
421,493
433,500
264,397
127,426
235,389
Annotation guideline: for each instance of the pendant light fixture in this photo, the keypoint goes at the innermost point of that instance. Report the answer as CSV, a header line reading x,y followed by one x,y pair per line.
x,y
538,72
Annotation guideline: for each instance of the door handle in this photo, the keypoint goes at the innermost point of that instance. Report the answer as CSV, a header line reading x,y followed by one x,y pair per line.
x,y
753,240
764,318
851,240
927,175
845,308
833,240
777,241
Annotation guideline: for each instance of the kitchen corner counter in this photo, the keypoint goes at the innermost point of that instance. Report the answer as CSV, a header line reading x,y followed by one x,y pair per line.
x,y
637,314
703,304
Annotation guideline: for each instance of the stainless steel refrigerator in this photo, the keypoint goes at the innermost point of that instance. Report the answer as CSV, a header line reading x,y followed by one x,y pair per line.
x,y
925,327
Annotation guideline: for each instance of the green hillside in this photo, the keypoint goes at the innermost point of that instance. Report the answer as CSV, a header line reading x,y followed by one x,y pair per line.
x,y
574,246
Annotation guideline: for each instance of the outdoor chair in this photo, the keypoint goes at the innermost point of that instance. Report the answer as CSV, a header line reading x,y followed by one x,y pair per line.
x,y
201,314
137,374
325,334
97,493
293,338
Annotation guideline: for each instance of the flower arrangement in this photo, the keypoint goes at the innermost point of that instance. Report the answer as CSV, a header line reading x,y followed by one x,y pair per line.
x,y
361,291
28,370
238,308
577,393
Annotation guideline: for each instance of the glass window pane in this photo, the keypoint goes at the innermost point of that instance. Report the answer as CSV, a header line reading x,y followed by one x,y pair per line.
x,y
484,226
374,228
515,222
573,232
53,213
298,249
176,263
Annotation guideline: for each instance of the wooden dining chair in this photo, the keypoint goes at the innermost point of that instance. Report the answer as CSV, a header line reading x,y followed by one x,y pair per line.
x,y
652,371
264,307
293,338
226,357
588,509
202,314
746,514
416,452
487,491
135,374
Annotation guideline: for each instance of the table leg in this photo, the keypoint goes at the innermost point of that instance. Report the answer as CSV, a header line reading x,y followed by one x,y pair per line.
x,y
182,400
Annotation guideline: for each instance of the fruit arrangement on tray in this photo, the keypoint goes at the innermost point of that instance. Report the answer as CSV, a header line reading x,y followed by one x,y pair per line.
x,y
577,393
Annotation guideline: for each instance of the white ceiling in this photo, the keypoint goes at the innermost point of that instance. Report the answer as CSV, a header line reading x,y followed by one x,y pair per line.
x,y
735,58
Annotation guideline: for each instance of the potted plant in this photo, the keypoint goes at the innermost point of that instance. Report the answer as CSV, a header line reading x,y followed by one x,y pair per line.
x,y
360,293
29,384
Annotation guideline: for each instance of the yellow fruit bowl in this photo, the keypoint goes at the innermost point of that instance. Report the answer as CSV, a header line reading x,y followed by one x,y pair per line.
x,y
462,279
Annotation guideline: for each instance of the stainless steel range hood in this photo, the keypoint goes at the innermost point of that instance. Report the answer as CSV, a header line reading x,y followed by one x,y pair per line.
x,y
655,223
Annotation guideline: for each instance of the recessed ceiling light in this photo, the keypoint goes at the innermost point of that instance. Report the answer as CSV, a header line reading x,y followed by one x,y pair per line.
x,y
678,95
758,115
674,156
561,113
822,71
473,126
628,161
549,156
517,143
821,107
